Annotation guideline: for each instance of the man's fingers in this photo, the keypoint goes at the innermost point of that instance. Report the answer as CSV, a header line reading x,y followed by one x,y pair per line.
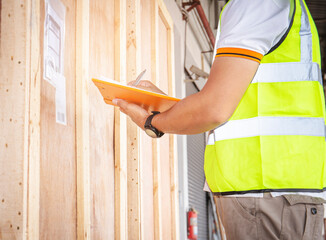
x,y
135,112
120,103
124,106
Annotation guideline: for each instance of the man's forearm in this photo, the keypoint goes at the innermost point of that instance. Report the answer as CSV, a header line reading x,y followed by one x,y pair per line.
x,y
192,115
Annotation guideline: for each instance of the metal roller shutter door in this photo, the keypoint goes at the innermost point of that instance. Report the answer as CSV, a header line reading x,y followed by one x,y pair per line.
x,y
196,178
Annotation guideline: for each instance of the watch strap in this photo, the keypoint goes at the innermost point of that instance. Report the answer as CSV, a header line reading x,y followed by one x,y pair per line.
x,y
148,124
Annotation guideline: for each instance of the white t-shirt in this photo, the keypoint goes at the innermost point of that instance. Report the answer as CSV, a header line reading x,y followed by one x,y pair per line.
x,y
249,29
255,25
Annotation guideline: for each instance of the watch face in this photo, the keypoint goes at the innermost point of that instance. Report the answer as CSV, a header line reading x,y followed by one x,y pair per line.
x,y
150,133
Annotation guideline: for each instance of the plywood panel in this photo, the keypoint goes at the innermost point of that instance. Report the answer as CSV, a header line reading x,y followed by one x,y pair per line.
x,y
164,141
58,152
101,121
146,153
12,117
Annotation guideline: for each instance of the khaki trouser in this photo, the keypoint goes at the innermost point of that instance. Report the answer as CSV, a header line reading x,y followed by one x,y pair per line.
x,y
288,217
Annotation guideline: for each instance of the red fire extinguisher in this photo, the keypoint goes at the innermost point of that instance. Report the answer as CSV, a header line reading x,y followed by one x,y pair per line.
x,y
192,224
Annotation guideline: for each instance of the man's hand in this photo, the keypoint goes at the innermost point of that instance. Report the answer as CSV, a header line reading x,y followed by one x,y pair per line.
x,y
147,85
136,113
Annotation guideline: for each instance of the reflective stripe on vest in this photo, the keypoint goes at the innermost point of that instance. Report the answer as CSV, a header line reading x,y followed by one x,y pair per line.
x,y
264,126
275,140
288,72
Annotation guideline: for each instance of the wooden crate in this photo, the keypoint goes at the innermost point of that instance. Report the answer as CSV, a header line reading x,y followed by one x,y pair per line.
x,y
98,177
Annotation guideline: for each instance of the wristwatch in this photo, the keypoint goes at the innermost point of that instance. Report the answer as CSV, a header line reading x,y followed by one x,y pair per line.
x,y
150,129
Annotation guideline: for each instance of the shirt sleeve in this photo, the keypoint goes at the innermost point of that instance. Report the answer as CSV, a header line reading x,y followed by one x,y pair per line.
x,y
249,29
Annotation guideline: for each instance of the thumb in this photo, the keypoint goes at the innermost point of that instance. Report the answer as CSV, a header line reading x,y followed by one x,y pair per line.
x,y
120,103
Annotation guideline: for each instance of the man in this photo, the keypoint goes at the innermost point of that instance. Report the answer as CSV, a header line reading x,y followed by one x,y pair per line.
x,y
264,106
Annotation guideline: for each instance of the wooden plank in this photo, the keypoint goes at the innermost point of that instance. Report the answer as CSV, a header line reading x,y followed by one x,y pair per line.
x,y
32,122
121,208
157,184
165,15
120,129
101,127
145,142
82,119
133,69
175,229
146,181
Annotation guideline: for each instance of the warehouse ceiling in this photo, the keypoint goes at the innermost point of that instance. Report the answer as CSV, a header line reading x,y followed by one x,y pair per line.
x,y
318,11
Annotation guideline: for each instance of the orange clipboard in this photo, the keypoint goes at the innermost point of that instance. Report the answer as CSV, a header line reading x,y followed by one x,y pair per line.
x,y
150,101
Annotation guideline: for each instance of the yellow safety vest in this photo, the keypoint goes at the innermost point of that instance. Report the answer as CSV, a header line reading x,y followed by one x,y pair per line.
x,y
275,140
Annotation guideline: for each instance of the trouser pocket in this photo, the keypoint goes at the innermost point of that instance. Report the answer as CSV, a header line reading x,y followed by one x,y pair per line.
x,y
302,218
246,207
238,222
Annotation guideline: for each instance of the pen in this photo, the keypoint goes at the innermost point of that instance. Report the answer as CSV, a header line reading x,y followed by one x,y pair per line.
x,y
139,77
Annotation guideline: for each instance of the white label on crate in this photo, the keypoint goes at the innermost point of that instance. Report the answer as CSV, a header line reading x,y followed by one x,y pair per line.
x,y
60,100
54,34
54,41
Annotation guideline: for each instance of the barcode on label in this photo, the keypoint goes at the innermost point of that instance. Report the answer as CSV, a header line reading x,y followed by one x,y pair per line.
x,y
61,118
